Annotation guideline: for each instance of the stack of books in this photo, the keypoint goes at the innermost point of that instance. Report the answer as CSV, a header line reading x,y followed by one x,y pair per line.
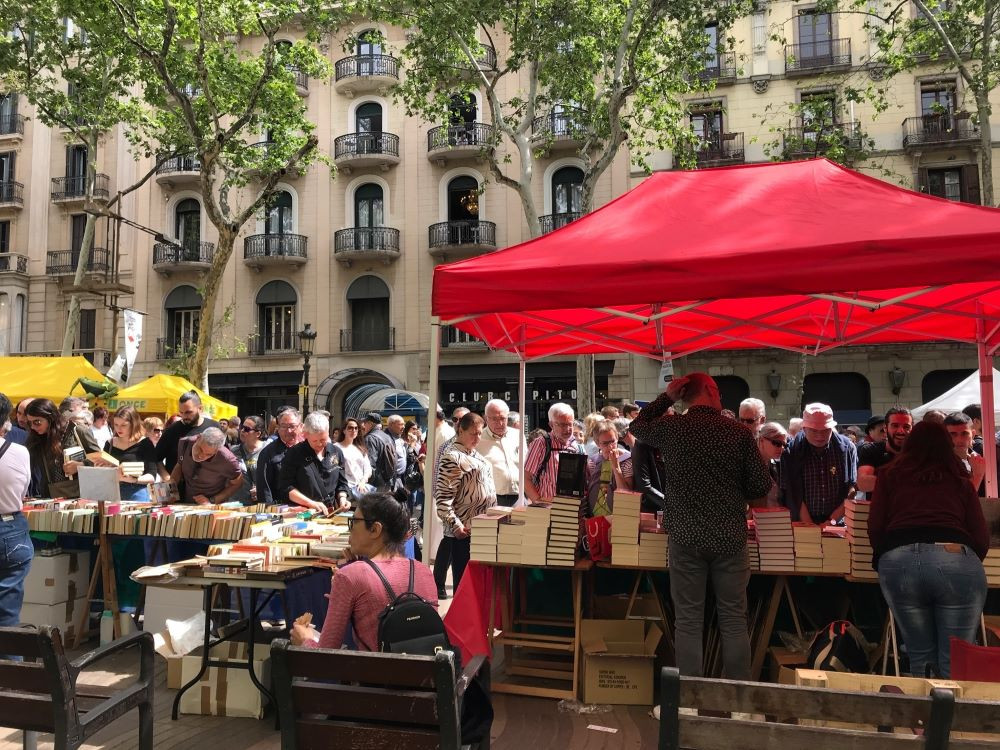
x,y
992,566
775,539
564,531
510,540
836,550
808,547
753,547
652,548
857,535
232,564
485,530
535,537
625,528
65,516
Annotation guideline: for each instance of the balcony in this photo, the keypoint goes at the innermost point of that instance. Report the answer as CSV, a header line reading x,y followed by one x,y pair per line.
x,y
12,264
450,239
173,348
11,195
260,250
366,243
301,81
817,57
277,345
941,130
815,140
453,338
486,62
11,127
356,150
721,150
720,68
175,257
362,73
64,262
560,130
74,188
552,222
455,142
367,341
179,170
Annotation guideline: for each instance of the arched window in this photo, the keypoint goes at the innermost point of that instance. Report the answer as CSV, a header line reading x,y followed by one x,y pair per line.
x,y
938,382
368,206
279,216
848,393
368,43
463,199
183,308
732,390
463,109
368,118
187,225
368,299
567,190
276,303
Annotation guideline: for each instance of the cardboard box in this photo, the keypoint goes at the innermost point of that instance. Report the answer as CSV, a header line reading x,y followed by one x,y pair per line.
x,y
163,646
57,578
63,615
224,691
164,604
618,661
784,662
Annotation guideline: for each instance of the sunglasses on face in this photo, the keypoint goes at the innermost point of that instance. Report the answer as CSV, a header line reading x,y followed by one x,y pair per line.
x,y
248,428
748,420
777,443
158,430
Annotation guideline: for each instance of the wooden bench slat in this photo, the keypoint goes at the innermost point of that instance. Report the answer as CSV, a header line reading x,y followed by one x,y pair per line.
x,y
27,711
725,734
372,668
28,677
976,716
355,703
20,642
313,734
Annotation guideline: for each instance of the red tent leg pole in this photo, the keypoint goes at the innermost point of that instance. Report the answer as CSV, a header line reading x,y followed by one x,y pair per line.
x,y
986,402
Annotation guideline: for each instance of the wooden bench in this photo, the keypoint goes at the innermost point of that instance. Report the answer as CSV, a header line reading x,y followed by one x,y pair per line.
x,y
332,698
938,714
40,693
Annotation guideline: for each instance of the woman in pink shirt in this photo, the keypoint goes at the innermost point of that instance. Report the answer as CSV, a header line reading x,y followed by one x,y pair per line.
x,y
357,596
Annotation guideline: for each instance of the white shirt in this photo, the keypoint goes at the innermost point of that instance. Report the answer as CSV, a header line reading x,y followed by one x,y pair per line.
x,y
357,467
15,474
442,433
504,455
102,435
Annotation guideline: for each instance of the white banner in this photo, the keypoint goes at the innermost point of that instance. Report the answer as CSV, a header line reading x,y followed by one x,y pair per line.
x,y
133,337
115,372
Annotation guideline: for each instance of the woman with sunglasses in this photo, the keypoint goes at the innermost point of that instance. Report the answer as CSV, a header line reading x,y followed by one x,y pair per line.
x,y
50,434
251,444
357,595
771,442
357,467
153,427
127,444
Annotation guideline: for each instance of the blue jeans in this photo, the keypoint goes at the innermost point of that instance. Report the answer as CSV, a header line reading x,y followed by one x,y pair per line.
x,y
135,492
16,551
934,594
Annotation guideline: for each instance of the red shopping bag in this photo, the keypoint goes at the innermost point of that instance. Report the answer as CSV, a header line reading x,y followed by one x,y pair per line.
x,y
976,663
599,538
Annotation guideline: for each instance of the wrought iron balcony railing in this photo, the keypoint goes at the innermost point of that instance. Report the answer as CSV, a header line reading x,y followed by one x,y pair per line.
x,y
365,144
364,66
552,222
454,233
943,128
808,56
66,261
463,134
362,340
75,186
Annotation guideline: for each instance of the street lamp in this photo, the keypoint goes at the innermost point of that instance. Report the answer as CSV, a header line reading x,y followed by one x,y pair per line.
x,y
307,340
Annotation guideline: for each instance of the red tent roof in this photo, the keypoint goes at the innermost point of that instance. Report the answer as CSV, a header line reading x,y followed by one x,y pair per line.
x,y
801,255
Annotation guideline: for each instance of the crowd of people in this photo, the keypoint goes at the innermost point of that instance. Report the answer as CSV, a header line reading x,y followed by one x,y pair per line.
x,y
703,468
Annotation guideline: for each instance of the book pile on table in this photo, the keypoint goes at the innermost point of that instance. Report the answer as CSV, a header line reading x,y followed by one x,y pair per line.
x,y
652,547
485,530
857,535
535,536
510,539
564,531
808,547
753,547
232,564
992,566
65,516
836,550
774,538
625,528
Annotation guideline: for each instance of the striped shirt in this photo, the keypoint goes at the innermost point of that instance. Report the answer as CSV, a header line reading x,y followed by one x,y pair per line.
x,y
546,484
464,487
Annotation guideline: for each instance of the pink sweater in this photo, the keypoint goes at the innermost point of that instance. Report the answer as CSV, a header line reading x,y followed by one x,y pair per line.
x,y
357,596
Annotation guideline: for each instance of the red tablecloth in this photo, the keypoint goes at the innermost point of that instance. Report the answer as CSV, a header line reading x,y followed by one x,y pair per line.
x,y
468,616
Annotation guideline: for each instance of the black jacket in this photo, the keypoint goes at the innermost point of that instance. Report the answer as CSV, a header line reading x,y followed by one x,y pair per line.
x,y
268,468
648,476
316,479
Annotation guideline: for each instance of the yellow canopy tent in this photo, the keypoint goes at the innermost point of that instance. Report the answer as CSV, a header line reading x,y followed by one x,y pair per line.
x,y
159,395
44,377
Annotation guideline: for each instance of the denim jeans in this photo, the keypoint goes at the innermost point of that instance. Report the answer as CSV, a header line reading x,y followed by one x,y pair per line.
x,y
16,551
690,570
933,594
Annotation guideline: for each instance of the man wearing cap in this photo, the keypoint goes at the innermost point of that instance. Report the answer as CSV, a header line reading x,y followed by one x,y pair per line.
x,y
381,453
820,468
875,429
872,456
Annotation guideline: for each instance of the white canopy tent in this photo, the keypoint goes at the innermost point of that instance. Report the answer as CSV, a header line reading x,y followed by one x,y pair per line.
x,y
965,393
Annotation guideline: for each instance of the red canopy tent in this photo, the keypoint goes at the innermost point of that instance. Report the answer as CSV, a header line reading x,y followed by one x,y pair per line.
x,y
803,256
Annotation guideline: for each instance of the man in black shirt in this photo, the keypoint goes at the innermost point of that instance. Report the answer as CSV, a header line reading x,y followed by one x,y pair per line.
x,y
270,458
871,456
192,422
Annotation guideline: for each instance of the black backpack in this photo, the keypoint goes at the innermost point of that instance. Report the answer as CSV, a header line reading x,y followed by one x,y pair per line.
x,y
839,647
408,624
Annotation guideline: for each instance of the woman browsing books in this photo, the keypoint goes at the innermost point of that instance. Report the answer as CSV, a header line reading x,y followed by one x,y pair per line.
x,y
133,454
58,447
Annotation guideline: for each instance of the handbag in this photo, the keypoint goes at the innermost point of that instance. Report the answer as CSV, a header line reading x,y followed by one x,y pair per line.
x,y
598,537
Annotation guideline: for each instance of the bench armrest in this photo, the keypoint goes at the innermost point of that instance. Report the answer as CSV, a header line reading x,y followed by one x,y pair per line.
x,y
470,671
145,641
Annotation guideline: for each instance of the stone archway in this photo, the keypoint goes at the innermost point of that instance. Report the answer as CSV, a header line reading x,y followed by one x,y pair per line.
x,y
333,389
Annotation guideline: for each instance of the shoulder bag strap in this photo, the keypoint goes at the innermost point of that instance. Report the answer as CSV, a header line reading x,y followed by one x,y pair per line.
x,y
537,477
385,582
6,445
409,590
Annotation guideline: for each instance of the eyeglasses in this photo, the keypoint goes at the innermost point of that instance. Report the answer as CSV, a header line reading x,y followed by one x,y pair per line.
x,y
351,427
38,422
607,443
248,428
354,519
564,425
777,443
288,427
748,420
